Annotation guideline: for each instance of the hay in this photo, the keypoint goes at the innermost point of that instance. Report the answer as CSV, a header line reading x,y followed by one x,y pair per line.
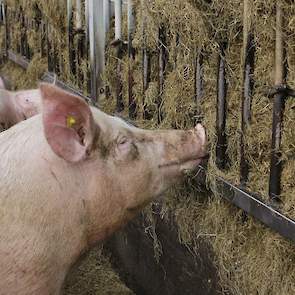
x,y
247,253
251,259
95,276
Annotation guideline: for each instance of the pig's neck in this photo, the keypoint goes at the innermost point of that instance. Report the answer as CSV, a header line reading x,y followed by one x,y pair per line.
x,y
106,207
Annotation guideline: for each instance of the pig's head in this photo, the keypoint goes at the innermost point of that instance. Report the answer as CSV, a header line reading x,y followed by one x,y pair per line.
x,y
27,103
136,164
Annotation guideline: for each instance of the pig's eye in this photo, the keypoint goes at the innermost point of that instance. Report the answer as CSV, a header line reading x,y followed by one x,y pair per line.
x,y
123,141
123,146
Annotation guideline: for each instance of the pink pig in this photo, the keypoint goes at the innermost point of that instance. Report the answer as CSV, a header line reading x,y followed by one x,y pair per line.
x,y
17,106
70,177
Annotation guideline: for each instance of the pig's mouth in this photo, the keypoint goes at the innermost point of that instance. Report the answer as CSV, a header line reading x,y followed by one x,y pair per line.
x,y
185,164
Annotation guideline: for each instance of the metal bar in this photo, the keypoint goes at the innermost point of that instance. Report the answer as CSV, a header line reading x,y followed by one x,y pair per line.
x,y
162,67
25,39
278,109
50,78
249,202
221,147
253,205
249,57
106,15
71,34
47,76
118,20
199,83
56,60
106,18
43,39
19,60
131,57
119,43
87,26
6,30
97,45
80,42
146,63
22,33
78,15
279,89
49,48
1,13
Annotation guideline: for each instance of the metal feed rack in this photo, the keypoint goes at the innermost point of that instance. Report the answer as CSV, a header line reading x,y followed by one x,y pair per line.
x,y
91,44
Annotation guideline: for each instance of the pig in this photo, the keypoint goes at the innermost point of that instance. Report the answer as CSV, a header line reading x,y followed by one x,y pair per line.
x,y
70,177
17,106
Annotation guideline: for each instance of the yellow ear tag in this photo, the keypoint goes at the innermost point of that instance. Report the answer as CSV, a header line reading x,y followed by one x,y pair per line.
x,y
71,121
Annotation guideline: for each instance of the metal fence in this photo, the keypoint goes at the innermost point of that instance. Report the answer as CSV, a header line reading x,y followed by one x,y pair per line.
x,y
90,45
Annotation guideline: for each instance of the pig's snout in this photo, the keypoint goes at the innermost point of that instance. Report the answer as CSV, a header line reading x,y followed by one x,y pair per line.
x,y
201,134
184,150
194,151
201,141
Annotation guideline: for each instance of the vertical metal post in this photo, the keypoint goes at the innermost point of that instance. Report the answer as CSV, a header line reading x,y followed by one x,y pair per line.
x,y
49,48
146,63
80,42
249,55
221,110
6,33
118,41
56,60
43,38
1,12
278,108
199,82
22,33
78,15
106,18
131,56
27,47
87,26
162,68
118,20
96,44
70,44
106,15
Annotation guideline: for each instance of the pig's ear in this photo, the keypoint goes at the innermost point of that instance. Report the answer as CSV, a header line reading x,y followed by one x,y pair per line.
x,y
68,123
